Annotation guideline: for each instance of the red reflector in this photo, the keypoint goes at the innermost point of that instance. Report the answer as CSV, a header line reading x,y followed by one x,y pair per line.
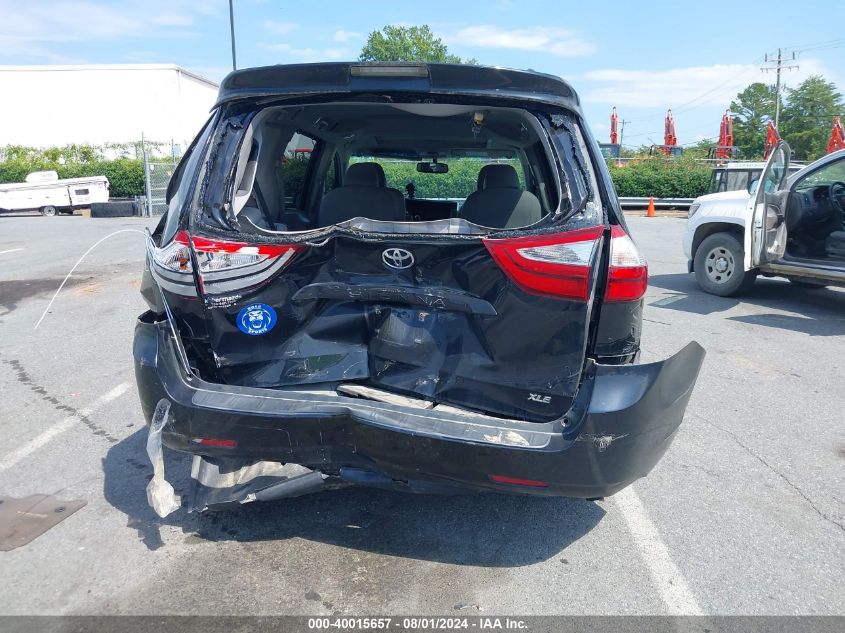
x,y
627,274
212,441
556,265
500,479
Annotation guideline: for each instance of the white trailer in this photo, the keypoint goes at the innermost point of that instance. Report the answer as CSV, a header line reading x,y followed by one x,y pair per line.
x,y
44,191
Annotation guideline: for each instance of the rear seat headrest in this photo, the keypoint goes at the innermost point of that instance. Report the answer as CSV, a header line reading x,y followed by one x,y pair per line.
x,y
495,176
365,175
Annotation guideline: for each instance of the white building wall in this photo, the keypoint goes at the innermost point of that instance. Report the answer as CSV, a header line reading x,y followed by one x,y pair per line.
x,y
45,106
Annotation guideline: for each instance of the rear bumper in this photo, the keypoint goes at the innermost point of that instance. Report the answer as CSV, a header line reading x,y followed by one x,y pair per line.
x,y
620,425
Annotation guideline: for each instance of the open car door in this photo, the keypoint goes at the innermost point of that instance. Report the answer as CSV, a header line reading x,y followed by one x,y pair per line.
x,y
765,232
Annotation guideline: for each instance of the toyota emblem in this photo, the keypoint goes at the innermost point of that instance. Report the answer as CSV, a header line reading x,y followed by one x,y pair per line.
x,y
397,258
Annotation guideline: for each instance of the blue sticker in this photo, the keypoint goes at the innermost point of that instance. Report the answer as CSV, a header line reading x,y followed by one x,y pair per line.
x,y
256,319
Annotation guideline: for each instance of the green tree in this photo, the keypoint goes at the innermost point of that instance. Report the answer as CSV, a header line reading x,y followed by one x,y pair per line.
x,y
807,116
407,44
700,149
752,109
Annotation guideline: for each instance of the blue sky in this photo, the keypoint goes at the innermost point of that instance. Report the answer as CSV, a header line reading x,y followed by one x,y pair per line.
x,y
640,56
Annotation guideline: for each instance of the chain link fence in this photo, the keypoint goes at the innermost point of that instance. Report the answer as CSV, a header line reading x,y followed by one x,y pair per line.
x,y
160,173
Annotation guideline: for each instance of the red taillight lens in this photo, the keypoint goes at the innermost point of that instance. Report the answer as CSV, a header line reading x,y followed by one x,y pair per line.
x,y
556,265
627,274
220,255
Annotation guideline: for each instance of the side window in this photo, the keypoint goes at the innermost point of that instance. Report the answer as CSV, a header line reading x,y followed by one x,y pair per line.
x,y
293,167
826,176
81,192
186,174
737,180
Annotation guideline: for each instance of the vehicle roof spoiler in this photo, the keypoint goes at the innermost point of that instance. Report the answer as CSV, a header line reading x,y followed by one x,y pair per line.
x,y
291,80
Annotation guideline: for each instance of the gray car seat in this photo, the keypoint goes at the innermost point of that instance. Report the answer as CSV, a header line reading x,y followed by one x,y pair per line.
x,y
499,201
363,194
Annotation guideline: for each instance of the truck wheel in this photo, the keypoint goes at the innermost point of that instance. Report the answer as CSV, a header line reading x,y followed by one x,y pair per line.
x,y
49,211
719,268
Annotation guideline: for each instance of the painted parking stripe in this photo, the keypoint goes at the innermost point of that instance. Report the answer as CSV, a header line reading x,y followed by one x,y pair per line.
x,y
57,429
11,250
670,583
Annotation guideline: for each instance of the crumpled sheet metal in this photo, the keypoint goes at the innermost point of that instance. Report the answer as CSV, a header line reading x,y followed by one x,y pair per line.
x,y
160,494
220,481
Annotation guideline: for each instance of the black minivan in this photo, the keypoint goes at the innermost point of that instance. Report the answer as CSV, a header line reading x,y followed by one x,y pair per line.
x,y
411,276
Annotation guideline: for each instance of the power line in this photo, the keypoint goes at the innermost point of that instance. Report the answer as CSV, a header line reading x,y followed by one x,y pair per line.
x,y
834,43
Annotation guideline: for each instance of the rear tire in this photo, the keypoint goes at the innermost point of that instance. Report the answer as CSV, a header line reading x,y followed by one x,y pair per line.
x,y
719,266
49,211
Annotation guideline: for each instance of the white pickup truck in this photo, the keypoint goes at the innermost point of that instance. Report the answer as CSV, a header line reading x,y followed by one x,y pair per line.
x,y
791,226
44,191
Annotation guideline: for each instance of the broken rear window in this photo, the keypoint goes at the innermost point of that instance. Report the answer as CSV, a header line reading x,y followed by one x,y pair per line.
x,y
480,167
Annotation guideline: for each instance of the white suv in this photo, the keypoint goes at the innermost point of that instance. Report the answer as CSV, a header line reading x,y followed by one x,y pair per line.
x,y
793,228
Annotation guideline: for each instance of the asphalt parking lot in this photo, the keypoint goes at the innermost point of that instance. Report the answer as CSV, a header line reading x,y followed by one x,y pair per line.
x,y
744,515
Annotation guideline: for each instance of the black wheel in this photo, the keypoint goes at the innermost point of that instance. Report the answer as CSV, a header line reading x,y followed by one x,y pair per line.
x,y
719,266
807,283
49,211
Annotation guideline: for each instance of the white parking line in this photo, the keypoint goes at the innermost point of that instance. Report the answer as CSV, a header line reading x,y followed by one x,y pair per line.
x,y
11,250
57,429
671,584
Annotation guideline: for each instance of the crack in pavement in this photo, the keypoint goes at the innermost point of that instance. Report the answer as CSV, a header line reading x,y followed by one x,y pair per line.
x,y
760,459
25,379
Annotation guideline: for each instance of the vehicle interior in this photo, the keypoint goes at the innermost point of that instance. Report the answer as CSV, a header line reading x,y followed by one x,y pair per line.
x,y
815,217
311,166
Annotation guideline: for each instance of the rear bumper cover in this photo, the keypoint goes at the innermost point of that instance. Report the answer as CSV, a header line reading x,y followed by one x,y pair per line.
x,y
621,423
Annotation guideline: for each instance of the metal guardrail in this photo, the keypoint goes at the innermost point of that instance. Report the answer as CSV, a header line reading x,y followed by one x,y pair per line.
x,y
659,203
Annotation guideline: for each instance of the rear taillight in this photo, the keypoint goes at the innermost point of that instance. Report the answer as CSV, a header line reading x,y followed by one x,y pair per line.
x,y
627,274
224,266
556,265
176,256
215,255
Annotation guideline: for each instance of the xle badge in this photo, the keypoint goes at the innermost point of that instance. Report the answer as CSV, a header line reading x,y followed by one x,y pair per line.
x,y
536,397
256,319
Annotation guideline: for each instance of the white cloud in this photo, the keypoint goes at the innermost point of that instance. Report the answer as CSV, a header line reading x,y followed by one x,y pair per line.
x,y
307,54
280,28
683,88
38,30
546,39
344,36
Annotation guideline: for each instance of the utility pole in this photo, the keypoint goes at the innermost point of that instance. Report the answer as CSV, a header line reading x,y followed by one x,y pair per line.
x,y
232,32
621,131
777,65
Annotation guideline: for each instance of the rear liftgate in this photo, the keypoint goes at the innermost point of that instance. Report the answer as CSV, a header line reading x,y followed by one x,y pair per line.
x,y
497,326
